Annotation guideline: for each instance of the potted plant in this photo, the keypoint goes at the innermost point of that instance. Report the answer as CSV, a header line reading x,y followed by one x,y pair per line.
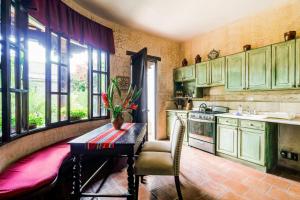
x,y
121,105
34,121
77,114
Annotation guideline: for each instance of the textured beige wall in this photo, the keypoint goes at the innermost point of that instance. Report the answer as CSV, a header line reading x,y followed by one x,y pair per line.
x,y
134,40
260,30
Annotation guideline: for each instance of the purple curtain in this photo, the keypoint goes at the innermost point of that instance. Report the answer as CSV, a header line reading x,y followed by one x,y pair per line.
x,y
62,19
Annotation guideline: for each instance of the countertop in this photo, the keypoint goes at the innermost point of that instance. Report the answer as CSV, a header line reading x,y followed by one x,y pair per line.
x,y
178,110
295,121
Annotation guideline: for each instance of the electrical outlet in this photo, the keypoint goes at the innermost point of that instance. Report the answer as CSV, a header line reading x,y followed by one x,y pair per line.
x,y
294,156
284,154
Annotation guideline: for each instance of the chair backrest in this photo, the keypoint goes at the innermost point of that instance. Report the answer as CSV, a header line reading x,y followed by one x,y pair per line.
x,y
176,144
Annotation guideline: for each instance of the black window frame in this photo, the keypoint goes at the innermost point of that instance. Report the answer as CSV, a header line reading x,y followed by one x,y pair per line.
x,y
22,94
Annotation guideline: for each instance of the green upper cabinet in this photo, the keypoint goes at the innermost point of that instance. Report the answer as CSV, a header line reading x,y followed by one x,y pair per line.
x,y
184,73
235,72
283,65
298,63
258,69
217,71
202,74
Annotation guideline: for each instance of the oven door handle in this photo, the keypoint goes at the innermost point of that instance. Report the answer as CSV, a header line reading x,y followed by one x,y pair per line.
x,y
201,120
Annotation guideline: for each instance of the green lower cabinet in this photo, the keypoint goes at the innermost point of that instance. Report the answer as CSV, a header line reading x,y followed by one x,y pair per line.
x,y
251,145
258,69
227,140
235,72
283,65
248,141
298,63
170,122
171,116
202,74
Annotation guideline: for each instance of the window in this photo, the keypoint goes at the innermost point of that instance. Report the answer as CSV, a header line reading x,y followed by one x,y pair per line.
x,y
79,81
47,79
99,81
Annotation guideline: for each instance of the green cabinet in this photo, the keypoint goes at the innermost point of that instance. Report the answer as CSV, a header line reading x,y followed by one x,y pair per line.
x,y
251,143
227,140
202,74
298,63
283,65
171,116
184,73
217,71
248,141
235,72
258,69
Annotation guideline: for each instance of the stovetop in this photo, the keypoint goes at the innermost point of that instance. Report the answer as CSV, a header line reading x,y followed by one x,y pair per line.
x,y
208,114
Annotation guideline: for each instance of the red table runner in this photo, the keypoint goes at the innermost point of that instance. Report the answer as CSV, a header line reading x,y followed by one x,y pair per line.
x,y
108,138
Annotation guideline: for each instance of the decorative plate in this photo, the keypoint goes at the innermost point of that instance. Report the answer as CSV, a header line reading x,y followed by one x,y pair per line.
x,y
213,54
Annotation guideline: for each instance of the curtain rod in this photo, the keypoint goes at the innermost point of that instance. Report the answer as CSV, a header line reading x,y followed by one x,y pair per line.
x,y
151,58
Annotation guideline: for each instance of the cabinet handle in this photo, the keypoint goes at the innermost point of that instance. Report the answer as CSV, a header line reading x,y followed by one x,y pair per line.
x,y
294,85
251,124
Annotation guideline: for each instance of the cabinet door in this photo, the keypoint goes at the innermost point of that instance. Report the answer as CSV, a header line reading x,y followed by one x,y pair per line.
x,y
217,71
178,75
251,146
235,72
283,65
258,69
227,140
189,72
202,74
298,63
185,138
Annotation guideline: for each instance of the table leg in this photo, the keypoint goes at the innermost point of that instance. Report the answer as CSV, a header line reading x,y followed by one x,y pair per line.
x,y
130,178
76,176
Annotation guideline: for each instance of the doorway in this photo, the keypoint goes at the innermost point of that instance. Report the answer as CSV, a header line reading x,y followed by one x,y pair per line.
x,y
151,101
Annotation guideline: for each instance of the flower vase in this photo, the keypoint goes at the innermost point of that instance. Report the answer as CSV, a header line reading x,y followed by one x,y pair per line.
x,y
117,122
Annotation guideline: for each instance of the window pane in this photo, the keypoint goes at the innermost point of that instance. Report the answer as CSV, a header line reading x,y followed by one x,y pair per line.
x,y
96,106
96,83
103,61
0,115
12,37
22,61
103,82
63,107
54,47
36,73
13,113
54,108
54,78
64,79
95,59
12,68
79,78
64,51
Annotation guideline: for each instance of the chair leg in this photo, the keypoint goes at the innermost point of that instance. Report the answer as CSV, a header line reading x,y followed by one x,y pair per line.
x,y
177,183
137,181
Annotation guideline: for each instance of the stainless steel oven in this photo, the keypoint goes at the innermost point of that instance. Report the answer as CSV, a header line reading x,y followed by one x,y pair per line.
x,y
202,129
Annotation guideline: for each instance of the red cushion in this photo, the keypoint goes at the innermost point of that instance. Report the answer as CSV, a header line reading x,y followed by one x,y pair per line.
x,y
33,171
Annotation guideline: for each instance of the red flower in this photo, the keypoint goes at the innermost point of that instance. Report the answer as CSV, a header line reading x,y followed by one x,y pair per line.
x,y
125,103
105,99
133,106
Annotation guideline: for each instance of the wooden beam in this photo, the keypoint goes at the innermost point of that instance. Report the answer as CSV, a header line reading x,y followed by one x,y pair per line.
x,y
149,58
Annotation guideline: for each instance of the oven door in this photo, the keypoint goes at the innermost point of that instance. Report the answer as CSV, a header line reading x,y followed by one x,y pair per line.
x,y
203,130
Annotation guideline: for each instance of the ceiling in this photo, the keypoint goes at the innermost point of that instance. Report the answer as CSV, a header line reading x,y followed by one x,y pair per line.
x,y
176,19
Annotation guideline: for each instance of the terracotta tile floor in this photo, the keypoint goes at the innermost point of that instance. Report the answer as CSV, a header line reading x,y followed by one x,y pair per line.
x,y
204,176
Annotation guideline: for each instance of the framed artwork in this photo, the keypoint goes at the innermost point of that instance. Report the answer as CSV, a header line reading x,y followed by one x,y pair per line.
x,y
124,82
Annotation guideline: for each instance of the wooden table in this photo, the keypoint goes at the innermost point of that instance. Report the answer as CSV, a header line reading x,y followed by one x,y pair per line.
x,y
127,145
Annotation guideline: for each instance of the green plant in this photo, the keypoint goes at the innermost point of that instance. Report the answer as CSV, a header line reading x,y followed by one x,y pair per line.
x,y
125,104
35,119
77,114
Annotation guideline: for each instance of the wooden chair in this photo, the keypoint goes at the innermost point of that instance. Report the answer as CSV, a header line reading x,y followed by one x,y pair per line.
x,y
162,163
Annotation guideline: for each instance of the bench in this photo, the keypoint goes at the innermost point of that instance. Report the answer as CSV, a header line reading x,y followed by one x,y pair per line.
x,y
33,172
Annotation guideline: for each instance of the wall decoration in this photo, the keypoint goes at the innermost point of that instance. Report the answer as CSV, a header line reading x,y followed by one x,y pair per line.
x,y
289,35
247,47
213,54
123,82
198,59
184,62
